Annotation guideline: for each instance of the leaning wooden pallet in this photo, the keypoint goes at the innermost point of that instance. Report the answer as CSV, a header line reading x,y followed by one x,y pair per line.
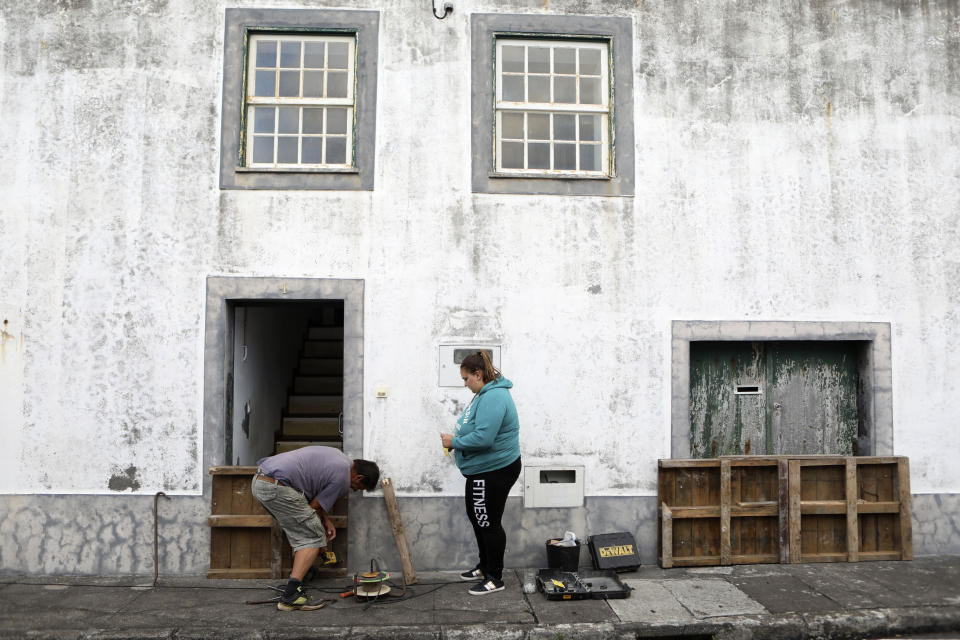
x,y
768,509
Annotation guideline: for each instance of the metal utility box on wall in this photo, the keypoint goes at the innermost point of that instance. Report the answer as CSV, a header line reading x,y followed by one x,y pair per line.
x,y
451,355
553,486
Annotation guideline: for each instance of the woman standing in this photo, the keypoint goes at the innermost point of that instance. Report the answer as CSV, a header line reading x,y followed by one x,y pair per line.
x,y
487,445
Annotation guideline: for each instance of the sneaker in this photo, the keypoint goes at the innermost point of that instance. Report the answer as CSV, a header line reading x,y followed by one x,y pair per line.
x,y
472,574
293,601
487,586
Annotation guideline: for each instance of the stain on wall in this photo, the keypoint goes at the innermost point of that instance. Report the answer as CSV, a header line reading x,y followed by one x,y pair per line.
x,y
124,480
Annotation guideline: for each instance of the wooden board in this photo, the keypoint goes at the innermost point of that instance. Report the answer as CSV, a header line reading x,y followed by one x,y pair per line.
x,y
753,509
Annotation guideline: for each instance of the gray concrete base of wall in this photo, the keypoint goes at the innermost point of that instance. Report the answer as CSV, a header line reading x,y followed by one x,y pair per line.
x,y
113,535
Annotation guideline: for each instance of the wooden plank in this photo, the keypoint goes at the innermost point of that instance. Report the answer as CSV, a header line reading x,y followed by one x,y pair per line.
x,y
696,561
666,536
783,503
240,544
724,512
245,572
695,512
795,488
409,575
220,496
687,463
277,540
880,555
219,549
853,537
755,509
232,471
906,509
877,507
823,507
240,521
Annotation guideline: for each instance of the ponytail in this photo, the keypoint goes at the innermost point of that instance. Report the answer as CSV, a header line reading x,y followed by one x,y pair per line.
x,y
480,361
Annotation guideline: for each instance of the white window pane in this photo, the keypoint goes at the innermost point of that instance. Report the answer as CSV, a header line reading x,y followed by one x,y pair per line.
x,y
564,89
336,150
336,85
263,120
312,151
511,155
287,150
312,121
565,60
538,126
290,55
512,88
337,55
590,62
263,149
539,87
565,156
289,84
538,60
337,120
511,125
538,155
313,55
590,91
564,126
511,59
267,53
589,127
265,83
590,157
289,120
313,84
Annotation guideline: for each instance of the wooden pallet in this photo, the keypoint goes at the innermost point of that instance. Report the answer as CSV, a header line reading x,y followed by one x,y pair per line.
x,y
245,540
769,509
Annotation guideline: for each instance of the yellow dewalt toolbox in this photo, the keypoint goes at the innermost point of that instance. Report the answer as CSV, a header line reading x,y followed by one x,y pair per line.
x,y
617,551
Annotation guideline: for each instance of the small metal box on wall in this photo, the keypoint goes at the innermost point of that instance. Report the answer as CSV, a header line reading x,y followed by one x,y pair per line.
x,y
553,486
451,355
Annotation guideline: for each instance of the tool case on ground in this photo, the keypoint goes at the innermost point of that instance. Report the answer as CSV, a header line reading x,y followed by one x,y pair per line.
x,y
583,585
617,551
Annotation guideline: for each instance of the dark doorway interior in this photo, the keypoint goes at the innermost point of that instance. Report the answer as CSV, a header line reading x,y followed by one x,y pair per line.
x,y
286,387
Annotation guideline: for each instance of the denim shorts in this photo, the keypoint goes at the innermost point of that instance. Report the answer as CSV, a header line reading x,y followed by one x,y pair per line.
x,y
296,517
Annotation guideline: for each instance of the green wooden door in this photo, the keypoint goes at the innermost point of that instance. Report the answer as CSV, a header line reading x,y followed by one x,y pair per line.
x,y
791,397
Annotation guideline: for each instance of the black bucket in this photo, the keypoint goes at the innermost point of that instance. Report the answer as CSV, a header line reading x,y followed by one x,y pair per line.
x,y
563,558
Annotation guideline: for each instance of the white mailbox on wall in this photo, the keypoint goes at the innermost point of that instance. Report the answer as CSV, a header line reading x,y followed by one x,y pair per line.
x,y
554,486
451,355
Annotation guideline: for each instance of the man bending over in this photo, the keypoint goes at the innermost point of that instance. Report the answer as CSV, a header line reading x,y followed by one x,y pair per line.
x,y
299,488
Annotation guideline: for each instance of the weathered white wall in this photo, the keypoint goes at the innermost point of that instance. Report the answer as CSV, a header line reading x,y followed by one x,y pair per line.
x,y
795,161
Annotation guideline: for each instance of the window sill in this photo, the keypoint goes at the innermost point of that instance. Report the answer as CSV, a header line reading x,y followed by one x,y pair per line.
x,y
547,176
294,170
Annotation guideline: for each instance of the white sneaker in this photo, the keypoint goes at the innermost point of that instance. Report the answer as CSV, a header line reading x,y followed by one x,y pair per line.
x,y
485,587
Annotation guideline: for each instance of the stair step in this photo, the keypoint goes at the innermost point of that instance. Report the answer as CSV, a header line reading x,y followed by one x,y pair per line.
x,y
289,445
318,385
310,427
325,333
323,349
300,405
321,367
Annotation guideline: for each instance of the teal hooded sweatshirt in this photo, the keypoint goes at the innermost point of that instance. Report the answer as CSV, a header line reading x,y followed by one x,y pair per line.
x,y
487,435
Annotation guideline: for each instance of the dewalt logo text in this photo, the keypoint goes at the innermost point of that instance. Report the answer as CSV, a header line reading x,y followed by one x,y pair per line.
x,y
619,550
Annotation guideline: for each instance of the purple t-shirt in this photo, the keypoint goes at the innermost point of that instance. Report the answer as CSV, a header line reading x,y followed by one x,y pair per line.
x,y
319,472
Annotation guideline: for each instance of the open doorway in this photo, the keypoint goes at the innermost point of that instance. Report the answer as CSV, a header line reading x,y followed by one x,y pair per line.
x,y
283,368
287,378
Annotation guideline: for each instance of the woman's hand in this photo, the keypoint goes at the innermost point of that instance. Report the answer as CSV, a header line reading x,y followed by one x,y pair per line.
x,y
447,440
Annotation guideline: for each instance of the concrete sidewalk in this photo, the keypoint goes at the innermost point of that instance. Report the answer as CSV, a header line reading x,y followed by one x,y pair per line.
x,y
862,600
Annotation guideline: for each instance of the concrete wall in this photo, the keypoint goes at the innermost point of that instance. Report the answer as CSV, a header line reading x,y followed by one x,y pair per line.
x,y
794,162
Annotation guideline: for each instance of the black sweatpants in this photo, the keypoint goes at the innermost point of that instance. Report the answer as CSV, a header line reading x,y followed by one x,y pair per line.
x,y
486,496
